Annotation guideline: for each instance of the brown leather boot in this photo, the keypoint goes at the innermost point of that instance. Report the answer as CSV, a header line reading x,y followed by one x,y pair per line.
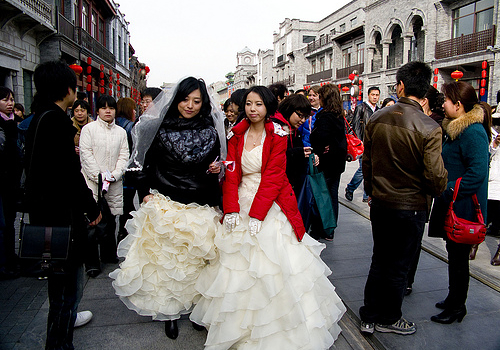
x,y
473,251
496,259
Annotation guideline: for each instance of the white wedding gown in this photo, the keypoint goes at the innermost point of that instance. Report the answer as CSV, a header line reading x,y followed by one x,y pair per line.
x,y
167,246
268,291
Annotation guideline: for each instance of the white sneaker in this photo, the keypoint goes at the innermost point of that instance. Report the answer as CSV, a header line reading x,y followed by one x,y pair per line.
x,y
82,318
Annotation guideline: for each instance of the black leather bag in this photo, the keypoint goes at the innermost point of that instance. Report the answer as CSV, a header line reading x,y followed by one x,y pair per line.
x,y
45,243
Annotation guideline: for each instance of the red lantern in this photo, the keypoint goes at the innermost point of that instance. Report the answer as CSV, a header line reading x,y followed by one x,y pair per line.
x,y
101,82
457,75
101,90
359,97
483,82
89,78
76,68
89,87
89,60
118,88
351,76
360,82
436,71
117,75
345,88
435,85
110,72
484,74
435,79
118,94
110,85
482,91
147,69
101,75
110,92
101,66
484,64
89,69
118,82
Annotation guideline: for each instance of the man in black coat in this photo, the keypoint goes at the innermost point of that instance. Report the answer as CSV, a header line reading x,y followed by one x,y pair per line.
x,y
56,193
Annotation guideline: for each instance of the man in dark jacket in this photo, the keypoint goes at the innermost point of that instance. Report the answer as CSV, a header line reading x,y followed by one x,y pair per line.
x,y
56,193
402,168
362,114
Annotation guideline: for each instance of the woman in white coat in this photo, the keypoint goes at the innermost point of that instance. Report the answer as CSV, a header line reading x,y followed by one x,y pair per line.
x,y
104,154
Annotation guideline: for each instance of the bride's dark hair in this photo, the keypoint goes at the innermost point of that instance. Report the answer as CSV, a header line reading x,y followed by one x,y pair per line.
x,y
186,87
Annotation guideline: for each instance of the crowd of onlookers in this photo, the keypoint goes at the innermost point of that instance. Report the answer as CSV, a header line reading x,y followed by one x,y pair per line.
x,y
442,136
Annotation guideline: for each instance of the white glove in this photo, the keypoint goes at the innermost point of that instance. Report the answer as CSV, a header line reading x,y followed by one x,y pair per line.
x,y
231,220
254,226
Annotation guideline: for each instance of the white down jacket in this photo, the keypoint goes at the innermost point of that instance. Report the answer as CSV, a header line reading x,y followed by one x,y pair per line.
x,y
104,147
494,177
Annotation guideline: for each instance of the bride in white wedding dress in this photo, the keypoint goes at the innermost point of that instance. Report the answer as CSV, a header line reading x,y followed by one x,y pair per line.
x,y
269,288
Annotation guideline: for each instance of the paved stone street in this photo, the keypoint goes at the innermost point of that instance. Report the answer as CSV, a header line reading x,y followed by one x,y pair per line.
x,y
24,305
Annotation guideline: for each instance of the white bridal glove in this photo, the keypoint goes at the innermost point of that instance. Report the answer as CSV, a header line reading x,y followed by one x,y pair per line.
x,y
254,226
231,220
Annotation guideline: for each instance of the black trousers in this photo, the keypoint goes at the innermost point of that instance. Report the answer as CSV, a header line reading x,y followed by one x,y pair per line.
x,y
396,237
101,244
458,274
65,292
494,216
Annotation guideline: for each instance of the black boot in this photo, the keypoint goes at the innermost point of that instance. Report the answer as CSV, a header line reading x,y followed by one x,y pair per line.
x,y
171,329
449,316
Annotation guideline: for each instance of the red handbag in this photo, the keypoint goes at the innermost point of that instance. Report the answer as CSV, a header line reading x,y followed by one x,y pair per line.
x,y
355,146
464,231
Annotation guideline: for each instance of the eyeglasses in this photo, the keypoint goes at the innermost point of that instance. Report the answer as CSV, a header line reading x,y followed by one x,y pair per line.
x,y
395,86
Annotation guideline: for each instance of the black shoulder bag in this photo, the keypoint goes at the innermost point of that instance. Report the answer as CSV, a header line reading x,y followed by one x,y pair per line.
x,y
45,243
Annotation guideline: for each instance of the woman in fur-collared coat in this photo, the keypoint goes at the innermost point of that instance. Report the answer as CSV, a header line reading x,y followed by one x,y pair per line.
x,y
465,154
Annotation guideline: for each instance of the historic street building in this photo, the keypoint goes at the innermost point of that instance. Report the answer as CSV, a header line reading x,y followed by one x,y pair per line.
x,y
375,37
91,34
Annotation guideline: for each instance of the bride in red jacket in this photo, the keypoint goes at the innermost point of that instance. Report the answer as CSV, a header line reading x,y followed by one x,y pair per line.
x,y
269,288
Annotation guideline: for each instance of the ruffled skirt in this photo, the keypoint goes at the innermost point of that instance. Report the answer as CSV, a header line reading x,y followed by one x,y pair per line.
x,y
268,291
167,247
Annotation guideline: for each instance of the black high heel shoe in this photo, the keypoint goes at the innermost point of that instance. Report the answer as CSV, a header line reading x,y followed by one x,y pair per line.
x,y
441,304
197,326
171,329
449,316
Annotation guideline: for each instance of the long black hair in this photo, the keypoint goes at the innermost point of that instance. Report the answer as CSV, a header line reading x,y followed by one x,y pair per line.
x,y
186,87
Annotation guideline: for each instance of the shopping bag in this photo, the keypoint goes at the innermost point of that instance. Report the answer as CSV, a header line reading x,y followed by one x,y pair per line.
x,y
306,202
322,197
355,147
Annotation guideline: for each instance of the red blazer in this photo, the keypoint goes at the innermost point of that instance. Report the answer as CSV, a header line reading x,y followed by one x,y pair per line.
x,y
274,185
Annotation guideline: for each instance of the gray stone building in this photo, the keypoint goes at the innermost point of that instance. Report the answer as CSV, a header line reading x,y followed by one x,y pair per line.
x,y
92,34
376,37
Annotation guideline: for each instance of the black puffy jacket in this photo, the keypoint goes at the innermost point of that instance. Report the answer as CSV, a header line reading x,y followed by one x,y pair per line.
x,y
180,172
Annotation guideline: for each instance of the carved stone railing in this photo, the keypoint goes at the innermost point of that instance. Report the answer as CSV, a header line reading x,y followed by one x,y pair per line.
x,y
39,7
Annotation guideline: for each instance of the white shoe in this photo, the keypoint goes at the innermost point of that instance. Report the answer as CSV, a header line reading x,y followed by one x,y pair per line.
x,y
82,318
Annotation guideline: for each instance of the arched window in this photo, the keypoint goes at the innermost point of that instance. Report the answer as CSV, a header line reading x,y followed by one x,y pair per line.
x,y
377,54
395,58
417,43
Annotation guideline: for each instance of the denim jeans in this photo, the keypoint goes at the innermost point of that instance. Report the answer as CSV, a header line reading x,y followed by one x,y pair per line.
x,y
396,237
356,180
65,293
